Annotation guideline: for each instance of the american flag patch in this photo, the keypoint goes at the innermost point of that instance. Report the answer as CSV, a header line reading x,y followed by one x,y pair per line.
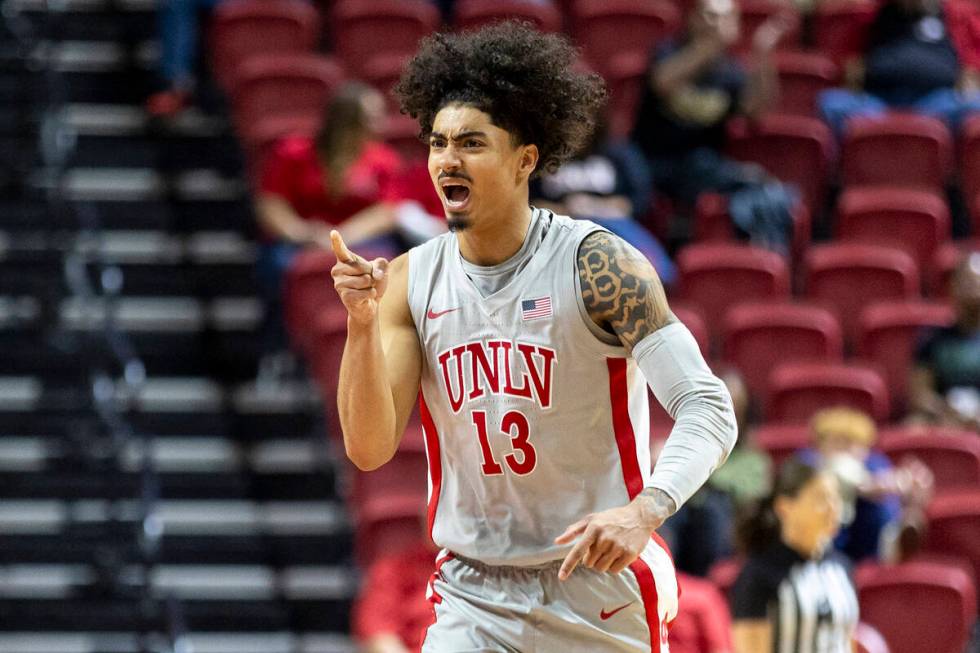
x,y
531,309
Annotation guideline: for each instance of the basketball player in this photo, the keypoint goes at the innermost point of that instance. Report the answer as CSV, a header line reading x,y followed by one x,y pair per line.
x,y
526,337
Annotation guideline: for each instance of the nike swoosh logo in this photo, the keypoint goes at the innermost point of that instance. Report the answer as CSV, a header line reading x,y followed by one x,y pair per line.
x,y
434,314
605,615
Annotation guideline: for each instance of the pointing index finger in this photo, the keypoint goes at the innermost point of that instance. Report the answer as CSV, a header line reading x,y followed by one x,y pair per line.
x,y
575,556
343,254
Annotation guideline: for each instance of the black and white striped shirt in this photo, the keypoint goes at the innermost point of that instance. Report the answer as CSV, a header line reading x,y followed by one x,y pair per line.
x,y
811,604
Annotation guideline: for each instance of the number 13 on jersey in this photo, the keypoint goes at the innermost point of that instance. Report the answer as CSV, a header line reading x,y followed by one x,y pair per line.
x,y
522,459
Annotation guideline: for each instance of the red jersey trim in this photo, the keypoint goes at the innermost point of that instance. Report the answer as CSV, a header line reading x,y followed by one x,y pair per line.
x,y
623,427
648,591
435,598
435,461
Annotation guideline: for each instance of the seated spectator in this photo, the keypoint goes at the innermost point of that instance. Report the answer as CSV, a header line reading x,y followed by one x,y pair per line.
x,y
794,590
945,383
910,62
178,28
703,623
694,87
344,178
608,183
391,612
879,502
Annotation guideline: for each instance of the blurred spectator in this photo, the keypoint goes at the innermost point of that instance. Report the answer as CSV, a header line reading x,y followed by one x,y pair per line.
x,y
910,62
703,623
391,612
694,87
879,501
178,28
746,476
344,178
795,593
945,384
608,183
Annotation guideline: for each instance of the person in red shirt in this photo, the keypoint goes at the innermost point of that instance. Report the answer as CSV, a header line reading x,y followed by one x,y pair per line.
x,y
342,178
703,623
391,612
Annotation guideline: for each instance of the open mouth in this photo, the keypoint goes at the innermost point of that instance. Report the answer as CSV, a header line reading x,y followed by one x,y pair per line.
x,y
457,196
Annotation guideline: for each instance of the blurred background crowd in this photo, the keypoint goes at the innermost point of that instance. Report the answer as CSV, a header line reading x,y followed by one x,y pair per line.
x,y
803,174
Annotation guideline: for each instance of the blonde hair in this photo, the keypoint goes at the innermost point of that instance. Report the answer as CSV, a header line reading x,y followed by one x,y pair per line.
x,y
851,423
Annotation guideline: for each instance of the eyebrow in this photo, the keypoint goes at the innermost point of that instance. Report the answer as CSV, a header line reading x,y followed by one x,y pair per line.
x,y
460,136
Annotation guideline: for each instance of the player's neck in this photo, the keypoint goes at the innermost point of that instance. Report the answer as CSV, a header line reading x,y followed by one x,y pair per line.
x,y
495,238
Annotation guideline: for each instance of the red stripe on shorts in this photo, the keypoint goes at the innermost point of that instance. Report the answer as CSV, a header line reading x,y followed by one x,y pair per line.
x,y
435,462
435,597
623,427
648,591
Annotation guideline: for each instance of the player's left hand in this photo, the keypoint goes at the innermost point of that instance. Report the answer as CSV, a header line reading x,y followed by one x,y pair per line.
x,y
610,540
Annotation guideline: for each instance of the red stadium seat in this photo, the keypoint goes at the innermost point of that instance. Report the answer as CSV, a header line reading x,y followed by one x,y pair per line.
x,y
625,79
266,132
953,458
402,133
913,220
755,12
606,29
918,606
383,72
293,88
795,149
241,29
869,640
846,277
307,291
839,27
472,14
404,475
954,521
713,222
716,276
887,334
897,149
694,321
802,76
798,390
757,336
969,147
366,29
388,524
781,441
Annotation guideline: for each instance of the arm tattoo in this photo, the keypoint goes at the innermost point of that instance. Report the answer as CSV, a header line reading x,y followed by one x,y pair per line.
x,y
621,290
659,499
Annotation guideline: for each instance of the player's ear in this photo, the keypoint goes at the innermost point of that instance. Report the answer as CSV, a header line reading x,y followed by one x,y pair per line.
x,y
528,160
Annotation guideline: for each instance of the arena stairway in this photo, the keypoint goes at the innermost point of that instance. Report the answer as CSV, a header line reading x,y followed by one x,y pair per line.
x,y
153,497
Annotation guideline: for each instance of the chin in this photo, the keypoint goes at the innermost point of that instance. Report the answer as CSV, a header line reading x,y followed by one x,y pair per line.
x,y
457,222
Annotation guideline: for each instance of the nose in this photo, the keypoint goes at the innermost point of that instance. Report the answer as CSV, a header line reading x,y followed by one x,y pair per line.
x,y
446,159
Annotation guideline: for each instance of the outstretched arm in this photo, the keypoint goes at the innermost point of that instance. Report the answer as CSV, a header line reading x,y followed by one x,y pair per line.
x,y
382,363
624,296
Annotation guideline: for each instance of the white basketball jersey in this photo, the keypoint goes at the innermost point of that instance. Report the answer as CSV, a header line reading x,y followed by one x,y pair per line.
x,y
531,421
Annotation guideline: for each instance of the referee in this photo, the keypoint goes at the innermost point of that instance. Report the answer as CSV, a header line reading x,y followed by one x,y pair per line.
x,y
795,593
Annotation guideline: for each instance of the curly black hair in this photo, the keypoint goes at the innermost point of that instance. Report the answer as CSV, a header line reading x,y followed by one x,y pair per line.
x,y
523,79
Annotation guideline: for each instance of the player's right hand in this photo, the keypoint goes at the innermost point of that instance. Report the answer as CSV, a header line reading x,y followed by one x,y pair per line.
x,y
359,282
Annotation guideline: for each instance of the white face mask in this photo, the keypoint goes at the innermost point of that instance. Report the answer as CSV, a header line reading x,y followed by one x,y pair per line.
x,y
851,474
